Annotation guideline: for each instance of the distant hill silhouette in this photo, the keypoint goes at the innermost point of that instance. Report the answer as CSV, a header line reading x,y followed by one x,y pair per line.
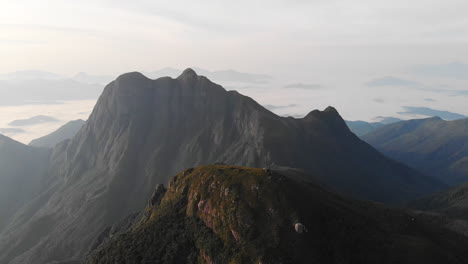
x,y
66,131
361,128
22,172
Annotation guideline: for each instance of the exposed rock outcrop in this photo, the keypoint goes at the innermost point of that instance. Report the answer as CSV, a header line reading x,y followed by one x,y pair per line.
x,y
198,221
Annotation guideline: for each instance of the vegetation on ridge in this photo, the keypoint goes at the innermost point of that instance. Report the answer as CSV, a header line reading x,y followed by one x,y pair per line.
x,y
229,214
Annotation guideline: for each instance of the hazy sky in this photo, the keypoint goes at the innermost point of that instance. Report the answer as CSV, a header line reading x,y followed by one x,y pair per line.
x,y
292,37
368,58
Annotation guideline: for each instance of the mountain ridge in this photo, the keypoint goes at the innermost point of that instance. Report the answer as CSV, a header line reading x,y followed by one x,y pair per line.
x,y
65,132
231,214
432,145
22,169
142,131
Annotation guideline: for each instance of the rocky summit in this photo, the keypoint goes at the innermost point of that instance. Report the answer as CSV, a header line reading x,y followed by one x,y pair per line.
x,y
229,214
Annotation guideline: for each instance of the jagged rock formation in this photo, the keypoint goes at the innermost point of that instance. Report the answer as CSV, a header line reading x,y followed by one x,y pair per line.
x,y
65,132
227,214
434,146
22,172
143,131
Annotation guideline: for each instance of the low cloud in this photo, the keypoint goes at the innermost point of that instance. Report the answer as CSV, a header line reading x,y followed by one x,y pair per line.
x,y
33,121
304,86
386,119
11,131
276,107
429,112
454,70
391,81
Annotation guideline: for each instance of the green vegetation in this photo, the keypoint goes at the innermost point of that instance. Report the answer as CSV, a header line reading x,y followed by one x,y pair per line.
x,y
210,213
229,214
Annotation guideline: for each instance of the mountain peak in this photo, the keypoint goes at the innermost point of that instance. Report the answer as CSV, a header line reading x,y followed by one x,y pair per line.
x,y
188,75
331,109
435,118
131,76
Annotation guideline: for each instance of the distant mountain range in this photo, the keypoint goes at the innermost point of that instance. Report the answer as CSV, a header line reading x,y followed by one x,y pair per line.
x,y
65,132
434,146
143,131
361,128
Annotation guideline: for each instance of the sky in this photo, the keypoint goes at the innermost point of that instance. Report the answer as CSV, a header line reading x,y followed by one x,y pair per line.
x,y
341,47
277,36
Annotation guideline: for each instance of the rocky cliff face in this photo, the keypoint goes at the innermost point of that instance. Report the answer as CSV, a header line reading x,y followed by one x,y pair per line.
x,y
227,214
143,131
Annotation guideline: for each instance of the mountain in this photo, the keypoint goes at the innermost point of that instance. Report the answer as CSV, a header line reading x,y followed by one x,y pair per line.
x,y
66,131
22,169
434,146
142,131
361,128
447,208
227,214
452,202
387,119
219,76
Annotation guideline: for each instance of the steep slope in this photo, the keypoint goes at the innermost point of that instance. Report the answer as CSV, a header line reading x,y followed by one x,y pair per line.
x,y
22,169
448,208
66,131
452,202
436,147
227,214
361,128
142,131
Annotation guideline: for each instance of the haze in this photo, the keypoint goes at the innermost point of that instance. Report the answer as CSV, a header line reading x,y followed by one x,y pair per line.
x,y
366,58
